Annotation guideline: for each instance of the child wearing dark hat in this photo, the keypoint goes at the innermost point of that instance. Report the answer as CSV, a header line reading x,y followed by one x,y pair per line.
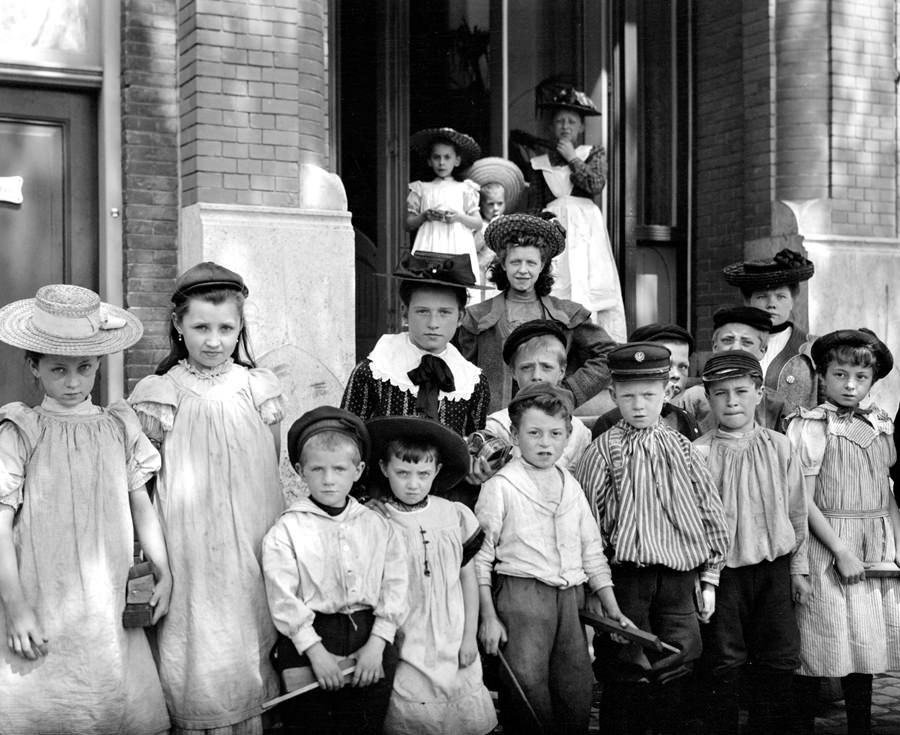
x,y
547,553
444,211
759,479
336,580
438,686
536,353
680,344
850,628
662,520
738,328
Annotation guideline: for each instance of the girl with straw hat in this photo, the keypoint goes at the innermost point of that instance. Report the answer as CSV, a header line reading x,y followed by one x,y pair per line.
x,y
72,489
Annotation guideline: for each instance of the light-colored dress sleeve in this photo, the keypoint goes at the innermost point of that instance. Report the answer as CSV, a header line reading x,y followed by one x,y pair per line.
x,y
154,400
142,457
808,437
414,198
265,387
471,198
393,603
19,433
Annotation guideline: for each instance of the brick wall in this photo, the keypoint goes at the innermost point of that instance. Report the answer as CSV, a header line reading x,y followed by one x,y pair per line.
x,y
150,176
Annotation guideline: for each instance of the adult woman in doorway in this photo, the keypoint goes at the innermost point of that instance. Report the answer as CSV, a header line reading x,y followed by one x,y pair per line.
x,y
772,284
565,180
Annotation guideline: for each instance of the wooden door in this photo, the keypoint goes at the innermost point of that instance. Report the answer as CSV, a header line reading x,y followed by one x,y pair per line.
x,y
49,138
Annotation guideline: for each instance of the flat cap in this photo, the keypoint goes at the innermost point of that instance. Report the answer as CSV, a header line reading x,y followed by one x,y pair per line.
x,y
656,332
749,315
532,390
639,361
730,364
327,418
205,276
535,328
861,337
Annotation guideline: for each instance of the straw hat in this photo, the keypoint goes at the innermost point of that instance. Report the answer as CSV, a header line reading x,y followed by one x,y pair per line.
x,y
504,232
496,170
785,268
422,140
68,320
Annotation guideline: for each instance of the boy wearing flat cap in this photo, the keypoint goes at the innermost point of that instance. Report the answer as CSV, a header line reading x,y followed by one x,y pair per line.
x,y
662,522
759,478
336,580
738,328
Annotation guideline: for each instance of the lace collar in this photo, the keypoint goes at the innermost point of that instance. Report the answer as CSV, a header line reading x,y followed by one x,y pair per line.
x,y
215,372
394,355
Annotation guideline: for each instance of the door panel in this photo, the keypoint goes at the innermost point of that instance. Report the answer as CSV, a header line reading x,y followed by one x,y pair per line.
x,y
49,138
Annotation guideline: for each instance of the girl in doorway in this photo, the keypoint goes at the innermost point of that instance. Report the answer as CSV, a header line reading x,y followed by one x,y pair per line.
x,y
214,415
444,210
565,180
72,492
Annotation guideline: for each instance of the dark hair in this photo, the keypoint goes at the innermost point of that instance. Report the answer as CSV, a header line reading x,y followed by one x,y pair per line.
x,y
242,354
407,449
33,358
861,356
544,282
550,405
748,291
408,288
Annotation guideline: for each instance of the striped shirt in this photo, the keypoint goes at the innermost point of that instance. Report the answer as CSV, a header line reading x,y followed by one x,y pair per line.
x,y
654,500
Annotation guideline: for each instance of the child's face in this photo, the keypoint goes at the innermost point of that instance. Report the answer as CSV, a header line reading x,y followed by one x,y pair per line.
x,y
733,402
640,401
523,266
210,331
539,365
493,204
739,337
67,379
410,481
330,473
779,302
845,384
679,365
433,316
443,159
541,438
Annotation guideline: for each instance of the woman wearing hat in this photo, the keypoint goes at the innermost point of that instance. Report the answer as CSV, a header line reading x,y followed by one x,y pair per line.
x,y
772,284
565,181
72,492
525,247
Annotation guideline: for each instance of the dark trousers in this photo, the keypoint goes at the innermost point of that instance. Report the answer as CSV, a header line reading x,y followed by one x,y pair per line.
x,y
350,710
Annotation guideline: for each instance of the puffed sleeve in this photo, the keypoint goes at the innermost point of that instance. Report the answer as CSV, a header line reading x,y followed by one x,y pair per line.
x,y
808,438
470,532
471,197
281,570
19,433
490,510
154,400
393,602
478,405
142,457
359,394
590,175
414,198
592,473
265,387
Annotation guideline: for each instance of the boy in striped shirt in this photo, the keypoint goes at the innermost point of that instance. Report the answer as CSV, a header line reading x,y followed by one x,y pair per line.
x,y
662,521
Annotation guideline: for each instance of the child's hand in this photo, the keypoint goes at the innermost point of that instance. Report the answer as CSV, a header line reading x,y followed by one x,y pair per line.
x,y
162,594
801,589
603,602
468,651
377,504
450,216
849,567
434,215
25,637
491,634
707,602
325,667
479,471
368,662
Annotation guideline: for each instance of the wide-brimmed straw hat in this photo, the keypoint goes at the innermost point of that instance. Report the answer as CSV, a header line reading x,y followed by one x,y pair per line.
x,y
506,231
496,170
786,268
422,140
68,320
569,98
861,337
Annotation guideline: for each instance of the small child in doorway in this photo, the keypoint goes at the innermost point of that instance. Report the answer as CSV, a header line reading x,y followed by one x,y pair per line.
x,y
544,547
336,580
438,686
850,628
766,571
444,211
661,516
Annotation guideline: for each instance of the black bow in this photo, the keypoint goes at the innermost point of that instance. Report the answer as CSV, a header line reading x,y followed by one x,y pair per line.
x,y
432,376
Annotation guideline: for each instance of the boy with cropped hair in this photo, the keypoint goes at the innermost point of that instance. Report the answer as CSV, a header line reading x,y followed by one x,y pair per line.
x,y
664,527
